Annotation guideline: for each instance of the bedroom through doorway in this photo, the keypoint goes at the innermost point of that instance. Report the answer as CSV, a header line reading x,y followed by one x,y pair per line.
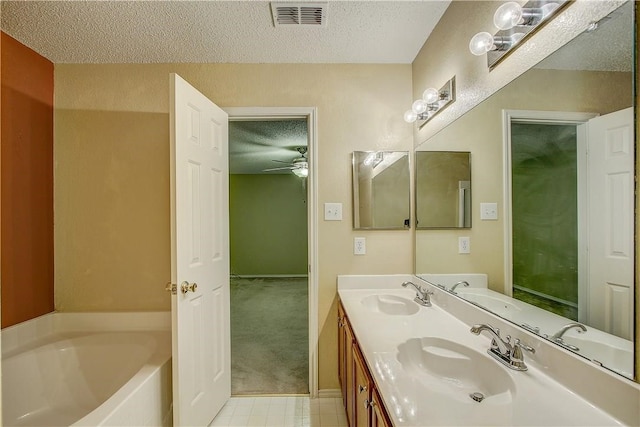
x,y
269,256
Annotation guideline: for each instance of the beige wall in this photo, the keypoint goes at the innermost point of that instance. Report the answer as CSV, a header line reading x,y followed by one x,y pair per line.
x,y
480,132
112,174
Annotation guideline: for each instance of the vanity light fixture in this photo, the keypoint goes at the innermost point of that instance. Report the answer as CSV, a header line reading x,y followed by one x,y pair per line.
x,y
515,23
432,102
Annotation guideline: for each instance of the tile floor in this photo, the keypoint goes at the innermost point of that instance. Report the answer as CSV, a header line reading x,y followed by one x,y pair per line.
x,y
295,411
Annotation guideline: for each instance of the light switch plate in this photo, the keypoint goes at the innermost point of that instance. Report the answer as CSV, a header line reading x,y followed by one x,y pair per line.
x,y
488,211
333,211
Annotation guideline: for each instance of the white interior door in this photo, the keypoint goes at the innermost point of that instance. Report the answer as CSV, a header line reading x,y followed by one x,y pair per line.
x,y
199,255
610,216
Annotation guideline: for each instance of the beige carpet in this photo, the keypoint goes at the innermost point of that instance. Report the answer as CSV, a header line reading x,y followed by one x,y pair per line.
x,y
269,336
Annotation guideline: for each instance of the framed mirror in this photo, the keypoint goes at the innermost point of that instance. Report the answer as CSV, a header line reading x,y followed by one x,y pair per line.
x,y
381,190
556,210
443,189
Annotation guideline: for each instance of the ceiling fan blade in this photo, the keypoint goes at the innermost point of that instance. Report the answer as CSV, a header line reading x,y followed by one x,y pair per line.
x,y
281,161
280,169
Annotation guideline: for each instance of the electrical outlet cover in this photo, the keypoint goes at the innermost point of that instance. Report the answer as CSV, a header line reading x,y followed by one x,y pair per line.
x,y
464,245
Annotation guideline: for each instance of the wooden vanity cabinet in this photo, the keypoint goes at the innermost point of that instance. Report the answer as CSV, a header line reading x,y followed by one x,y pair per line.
x,y
345,362
362,401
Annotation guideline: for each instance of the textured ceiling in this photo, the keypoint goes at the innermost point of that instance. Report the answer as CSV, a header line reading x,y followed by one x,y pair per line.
x,y
219,31
254,145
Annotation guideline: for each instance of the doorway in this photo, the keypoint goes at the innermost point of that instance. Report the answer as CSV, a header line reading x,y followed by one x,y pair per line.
x,y
545,209
569,197
272,239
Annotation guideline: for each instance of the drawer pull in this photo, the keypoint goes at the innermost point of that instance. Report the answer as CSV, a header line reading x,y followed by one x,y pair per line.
x,y
369,404
362,388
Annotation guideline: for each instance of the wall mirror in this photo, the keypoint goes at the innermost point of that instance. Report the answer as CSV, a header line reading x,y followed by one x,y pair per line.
x,y
381,199
443,189
529,156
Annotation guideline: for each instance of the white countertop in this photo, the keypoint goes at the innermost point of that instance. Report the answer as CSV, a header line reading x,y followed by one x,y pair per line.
x,y
414,399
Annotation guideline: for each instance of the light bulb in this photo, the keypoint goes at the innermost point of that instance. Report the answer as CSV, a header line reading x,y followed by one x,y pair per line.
x,y
481,43
419,106
508,15
548,9
516,37
410,116
430,95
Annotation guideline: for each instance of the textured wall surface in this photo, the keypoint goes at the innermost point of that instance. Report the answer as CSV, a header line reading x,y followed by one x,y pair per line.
x,y
112,174
27,183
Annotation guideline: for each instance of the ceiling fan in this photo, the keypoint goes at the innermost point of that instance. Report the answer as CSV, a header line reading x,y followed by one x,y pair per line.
x,y
299,166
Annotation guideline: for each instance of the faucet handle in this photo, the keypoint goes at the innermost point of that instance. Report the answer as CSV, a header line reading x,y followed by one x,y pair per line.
x,y
516,353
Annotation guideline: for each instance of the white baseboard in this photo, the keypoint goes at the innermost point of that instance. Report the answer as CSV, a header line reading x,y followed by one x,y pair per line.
x,y
268,276
330,392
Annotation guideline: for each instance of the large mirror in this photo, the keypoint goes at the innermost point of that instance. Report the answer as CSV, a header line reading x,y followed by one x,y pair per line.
x,y
381,191
443,189
555,150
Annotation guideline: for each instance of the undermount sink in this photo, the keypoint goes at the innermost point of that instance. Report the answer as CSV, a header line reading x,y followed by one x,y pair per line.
x,y
457,370
390,304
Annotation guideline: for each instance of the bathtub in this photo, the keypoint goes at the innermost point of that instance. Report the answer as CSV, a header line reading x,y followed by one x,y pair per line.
x,y
78,372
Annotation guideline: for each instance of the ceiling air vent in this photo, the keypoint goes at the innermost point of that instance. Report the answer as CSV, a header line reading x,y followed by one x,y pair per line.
x,y
311,14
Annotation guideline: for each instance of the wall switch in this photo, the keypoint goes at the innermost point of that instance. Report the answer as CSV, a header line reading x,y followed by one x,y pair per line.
x,y
359,246
489,211
464,245
333,211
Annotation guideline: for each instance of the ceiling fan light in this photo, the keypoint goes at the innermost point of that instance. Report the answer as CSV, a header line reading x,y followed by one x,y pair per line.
x,y
301,172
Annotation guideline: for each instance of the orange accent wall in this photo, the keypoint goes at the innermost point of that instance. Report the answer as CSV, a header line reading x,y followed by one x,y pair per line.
x,y
26,183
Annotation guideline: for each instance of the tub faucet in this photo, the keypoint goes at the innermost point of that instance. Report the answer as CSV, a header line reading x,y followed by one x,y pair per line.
x,y
557,337
502,350
462,282
422,295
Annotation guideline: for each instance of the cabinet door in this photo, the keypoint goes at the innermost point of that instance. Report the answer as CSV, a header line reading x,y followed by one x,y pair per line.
x,y
363,383
342,354
350,347
379,417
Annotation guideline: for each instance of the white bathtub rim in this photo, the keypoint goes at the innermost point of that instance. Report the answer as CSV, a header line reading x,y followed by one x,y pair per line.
x,y
17,337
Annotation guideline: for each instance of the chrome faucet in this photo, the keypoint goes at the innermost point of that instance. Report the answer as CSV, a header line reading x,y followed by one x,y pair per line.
x,y
502,350
422,295
557,337
462,282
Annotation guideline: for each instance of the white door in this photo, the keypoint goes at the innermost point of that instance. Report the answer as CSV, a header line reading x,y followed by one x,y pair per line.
x,y
199,255
610,217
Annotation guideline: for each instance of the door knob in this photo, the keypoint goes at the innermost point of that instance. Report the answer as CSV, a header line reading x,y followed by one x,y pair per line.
x,y
184,287
188,287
